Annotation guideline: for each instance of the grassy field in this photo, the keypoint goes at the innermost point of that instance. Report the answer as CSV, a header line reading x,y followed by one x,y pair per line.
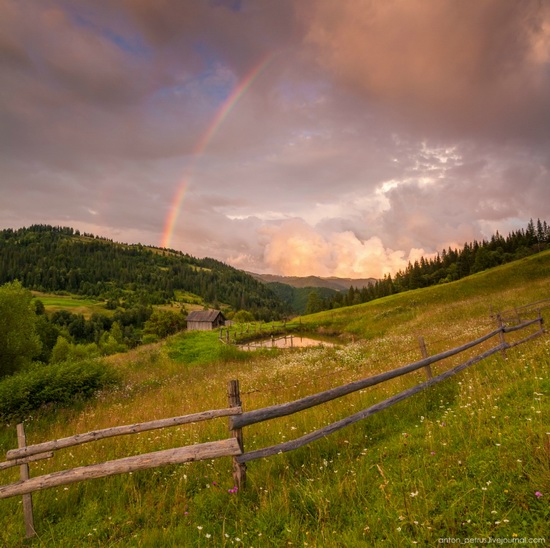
x,y
87,307
73,304
468,458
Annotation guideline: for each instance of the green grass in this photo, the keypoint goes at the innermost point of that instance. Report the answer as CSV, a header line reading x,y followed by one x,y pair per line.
x,y
73,304
464,459
187,297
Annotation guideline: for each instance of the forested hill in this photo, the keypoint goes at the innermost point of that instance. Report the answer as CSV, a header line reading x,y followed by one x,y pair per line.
x,y
50,259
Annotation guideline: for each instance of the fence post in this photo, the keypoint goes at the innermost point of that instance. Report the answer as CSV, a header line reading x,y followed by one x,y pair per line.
x,y
424,352
541,322
500,325
24,475
239,470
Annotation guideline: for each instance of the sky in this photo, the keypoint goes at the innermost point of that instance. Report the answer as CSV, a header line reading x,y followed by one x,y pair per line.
x,y
294,137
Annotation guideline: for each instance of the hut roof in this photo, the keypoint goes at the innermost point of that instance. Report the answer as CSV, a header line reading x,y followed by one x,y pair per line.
x,y
203,315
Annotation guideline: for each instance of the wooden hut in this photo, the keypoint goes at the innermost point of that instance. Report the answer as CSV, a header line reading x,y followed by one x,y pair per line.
x,y
204,320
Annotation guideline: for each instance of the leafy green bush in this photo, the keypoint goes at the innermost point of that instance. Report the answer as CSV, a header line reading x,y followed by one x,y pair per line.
x,y
59,384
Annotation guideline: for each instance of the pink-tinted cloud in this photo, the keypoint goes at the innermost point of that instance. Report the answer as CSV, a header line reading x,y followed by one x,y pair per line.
x,y
378,131
446,67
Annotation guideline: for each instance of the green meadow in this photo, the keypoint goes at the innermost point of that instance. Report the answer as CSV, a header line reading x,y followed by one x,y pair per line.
x,y
73,304
466,459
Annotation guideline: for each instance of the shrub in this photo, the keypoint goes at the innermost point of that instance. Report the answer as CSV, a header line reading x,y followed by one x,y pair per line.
x,y
19,342
58,384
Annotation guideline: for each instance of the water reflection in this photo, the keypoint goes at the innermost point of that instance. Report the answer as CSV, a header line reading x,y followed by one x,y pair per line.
x,y
286,341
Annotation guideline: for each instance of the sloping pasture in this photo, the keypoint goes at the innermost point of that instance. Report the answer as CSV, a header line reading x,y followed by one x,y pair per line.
x,y
467,458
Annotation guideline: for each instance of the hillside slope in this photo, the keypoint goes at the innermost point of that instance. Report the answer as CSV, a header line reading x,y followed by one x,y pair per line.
x,y
337,284
466,459
46,258
472,299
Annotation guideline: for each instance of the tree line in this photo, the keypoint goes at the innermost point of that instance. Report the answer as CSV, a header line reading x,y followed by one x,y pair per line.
x,y
61,259
447,266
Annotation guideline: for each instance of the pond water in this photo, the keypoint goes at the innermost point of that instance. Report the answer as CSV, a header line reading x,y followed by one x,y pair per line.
x,y
288,341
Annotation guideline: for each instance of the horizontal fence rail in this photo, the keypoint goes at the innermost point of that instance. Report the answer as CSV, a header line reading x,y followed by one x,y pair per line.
x,y
25,460
335,426
96,435
281,410
514,314
202,451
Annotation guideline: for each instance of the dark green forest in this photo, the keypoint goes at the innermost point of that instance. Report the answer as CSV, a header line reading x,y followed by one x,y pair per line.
x,y
302,300
130,281
60,259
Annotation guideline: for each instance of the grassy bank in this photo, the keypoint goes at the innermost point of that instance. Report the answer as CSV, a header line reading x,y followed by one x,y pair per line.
x,y
467,458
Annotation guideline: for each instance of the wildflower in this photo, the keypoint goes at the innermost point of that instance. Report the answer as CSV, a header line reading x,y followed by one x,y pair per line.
x,y
538,494
208,535
414,494
199,527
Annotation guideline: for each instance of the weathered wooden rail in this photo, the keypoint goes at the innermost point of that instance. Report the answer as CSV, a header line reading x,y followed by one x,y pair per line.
x,y
96,435
238,420
515,314
178,455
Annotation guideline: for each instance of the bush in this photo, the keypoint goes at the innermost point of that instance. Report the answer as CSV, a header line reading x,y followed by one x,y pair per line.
x,y
19,342
58,384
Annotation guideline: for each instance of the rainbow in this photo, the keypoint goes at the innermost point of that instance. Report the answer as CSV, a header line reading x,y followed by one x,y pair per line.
x,y
201,145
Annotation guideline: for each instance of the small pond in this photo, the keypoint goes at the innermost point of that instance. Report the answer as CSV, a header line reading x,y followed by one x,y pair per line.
x,y
286,341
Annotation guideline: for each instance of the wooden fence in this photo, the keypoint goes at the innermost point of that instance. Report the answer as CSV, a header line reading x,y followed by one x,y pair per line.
x,y
514,315
30,453
236,333
234,446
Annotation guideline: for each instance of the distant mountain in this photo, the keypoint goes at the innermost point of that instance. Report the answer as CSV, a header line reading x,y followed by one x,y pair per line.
x,y
298,298
338,284
61,259
297,291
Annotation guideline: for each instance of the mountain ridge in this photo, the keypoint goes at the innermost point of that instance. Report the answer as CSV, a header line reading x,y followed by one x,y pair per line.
x,y
332,282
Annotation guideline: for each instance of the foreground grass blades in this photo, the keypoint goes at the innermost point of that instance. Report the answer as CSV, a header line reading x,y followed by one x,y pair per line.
x,y
468,458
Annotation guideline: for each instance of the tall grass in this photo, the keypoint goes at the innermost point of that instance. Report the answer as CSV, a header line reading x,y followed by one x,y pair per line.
x,y
467,458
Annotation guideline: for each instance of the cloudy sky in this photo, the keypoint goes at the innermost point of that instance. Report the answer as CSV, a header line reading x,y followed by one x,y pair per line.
x,y
297,137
